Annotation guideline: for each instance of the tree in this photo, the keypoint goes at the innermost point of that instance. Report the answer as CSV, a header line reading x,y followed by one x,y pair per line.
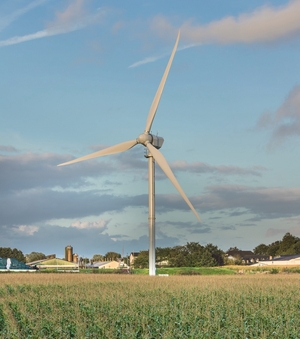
x,y
233,249
7,252
142,260
83,261
178,257
34,256
287,243
162,254
112,256
191,255
273,248
297,247
98,258
216,253
261,249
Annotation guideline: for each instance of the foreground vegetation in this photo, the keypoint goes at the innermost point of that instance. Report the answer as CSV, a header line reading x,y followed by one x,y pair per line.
x,y
187,271
129,306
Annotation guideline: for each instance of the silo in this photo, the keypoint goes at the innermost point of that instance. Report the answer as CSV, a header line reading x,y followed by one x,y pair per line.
x,y
75,258
69,253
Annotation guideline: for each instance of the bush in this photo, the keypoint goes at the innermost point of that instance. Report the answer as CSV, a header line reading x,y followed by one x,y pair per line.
x,y
189,272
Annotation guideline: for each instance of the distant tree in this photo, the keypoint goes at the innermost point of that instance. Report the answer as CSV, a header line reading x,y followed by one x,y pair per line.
x,y
162,254
98,258
261,249
34,256
273,248
233,249
191,255
142,260
109,256
287,243
7,252
216,253
179,257
83,261
297,247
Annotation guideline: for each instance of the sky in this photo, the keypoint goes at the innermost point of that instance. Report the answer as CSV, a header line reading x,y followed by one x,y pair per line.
x,y
78,76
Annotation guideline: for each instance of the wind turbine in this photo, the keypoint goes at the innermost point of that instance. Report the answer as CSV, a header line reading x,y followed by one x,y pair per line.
x,y
153,144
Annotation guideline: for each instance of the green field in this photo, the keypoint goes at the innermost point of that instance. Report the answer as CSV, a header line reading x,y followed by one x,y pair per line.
x,y
76,305
187,271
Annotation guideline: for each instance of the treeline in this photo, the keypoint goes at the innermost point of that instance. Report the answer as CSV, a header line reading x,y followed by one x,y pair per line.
x,y
190,255
109,256
289,245
7,252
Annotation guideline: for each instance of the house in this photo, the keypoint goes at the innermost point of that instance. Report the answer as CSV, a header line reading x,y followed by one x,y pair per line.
x,y
246,257
285,260
133,256
105,264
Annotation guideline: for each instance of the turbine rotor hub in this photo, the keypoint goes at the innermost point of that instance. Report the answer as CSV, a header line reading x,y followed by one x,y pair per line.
x,y
154,140
144,138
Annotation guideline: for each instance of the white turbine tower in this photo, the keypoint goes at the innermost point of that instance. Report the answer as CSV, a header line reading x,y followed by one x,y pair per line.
x,y
153,144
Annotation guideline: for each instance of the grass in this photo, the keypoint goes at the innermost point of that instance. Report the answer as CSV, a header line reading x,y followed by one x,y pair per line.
x,y
136,306
263,269
188,271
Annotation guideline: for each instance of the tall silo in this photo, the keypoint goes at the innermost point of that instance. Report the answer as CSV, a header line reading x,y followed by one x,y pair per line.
x,y
69,253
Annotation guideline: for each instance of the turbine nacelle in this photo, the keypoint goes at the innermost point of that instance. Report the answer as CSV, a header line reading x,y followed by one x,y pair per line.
x,y
154,140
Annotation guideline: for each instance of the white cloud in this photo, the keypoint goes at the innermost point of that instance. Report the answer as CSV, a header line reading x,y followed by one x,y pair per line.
x,y
7,20
27,229
100,224
75,17
17,39
265,24
157,57
147,60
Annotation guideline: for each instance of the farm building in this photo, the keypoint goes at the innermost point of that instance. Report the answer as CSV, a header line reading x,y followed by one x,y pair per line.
x,y
54,263
247,257
133,256
285,260
105,264
13,264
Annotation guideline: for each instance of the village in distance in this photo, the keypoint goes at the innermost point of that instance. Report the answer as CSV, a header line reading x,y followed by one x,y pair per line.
x,y
281,253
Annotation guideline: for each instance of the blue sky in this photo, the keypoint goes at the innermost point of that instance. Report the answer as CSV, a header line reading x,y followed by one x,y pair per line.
x,y
78,76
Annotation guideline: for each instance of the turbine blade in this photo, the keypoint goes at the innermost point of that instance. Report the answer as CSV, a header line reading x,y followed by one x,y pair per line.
x,y
160,89
124,146
162,162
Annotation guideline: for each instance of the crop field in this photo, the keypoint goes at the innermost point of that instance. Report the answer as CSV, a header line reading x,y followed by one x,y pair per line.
x,y
66,305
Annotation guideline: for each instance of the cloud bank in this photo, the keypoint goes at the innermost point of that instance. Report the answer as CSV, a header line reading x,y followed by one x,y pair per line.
x,y
31,204
285,121
201,167
263,202
34,189
265,24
